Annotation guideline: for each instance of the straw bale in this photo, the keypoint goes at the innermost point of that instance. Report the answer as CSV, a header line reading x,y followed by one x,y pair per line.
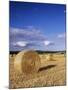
x,y
27,62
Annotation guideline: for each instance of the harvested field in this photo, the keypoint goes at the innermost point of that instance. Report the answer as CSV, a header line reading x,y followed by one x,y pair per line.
x,y
51,73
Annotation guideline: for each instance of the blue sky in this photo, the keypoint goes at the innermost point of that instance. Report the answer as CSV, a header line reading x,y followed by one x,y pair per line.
x,y
37,26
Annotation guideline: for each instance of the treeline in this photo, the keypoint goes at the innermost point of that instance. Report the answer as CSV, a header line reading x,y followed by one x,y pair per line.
x,y
40,52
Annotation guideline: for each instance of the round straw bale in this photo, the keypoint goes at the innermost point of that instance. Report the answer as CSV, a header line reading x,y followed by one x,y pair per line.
x,y
27,62
49,57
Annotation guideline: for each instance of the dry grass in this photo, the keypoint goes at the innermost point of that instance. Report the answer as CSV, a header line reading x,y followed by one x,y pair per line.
x,y
51,73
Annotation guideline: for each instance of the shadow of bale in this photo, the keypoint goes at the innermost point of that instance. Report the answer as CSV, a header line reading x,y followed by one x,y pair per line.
x,y
47,67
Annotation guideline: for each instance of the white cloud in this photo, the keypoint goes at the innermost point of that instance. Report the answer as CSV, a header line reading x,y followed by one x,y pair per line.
x,y
47,43
29,37
61,35
20,43
29,33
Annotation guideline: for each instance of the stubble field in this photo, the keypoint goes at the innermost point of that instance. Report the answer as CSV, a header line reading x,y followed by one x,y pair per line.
x,y
51,73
